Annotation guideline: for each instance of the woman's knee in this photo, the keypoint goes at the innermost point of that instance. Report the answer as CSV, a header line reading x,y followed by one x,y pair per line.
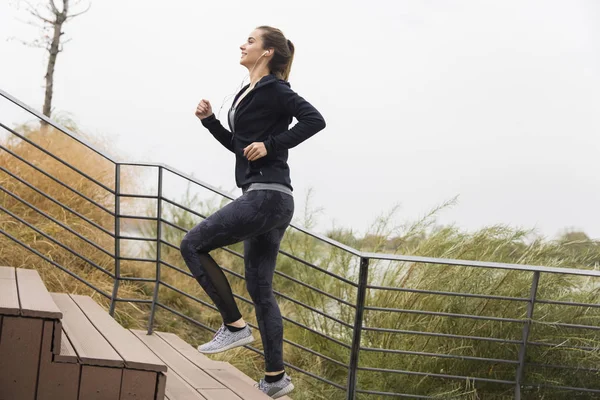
x,y
258,291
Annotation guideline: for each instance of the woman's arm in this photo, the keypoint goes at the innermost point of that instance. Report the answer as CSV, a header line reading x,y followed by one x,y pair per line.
x,y
218,131
205,114
310,121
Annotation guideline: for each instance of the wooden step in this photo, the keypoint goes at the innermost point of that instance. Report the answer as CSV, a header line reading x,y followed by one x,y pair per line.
x,y
57,380
9,295
22,292
35,299
20,343
134,353
89,344
214,380
67,353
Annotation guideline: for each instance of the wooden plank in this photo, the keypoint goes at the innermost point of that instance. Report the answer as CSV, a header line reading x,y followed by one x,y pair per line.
x,y
194,376
34,297
185,349
178,389
67,352
161,384
58,335
246,378
91,347
219,394
138,385
100,383
20,342
135,354
238,386
9,298
56,380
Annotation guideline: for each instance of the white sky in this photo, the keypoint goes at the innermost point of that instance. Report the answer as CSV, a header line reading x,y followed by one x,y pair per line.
x,y
495,101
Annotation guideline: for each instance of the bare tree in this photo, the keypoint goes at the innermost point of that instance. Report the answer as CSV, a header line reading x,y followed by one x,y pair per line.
x,y
51,19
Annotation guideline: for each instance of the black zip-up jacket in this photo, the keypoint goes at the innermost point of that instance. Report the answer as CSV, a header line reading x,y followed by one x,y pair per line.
x,y
264,115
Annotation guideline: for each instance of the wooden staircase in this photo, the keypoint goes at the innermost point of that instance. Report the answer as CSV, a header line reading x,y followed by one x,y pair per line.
x,y
56,346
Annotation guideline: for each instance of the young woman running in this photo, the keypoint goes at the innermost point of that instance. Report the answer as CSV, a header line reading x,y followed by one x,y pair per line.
x,y
260,138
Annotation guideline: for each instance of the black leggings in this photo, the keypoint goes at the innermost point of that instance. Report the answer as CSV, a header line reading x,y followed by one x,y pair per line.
x,y
259,218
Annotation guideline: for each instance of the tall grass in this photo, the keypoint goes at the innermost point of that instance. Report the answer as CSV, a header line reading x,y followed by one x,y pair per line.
x,y
304,305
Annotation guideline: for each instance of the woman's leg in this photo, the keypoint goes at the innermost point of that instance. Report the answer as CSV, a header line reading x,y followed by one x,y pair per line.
x,y
247,216
260,255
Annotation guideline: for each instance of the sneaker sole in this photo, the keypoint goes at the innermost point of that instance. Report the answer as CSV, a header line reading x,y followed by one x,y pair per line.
x,y
241,342
284,391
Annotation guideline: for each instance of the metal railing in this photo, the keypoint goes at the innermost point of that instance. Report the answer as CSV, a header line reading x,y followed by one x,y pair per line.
x,y
357,302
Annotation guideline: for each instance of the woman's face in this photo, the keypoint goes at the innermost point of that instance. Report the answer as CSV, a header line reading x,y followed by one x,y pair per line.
x,y
252,50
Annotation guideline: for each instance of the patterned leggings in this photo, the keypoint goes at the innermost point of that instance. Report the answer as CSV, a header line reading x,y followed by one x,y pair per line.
x,y
259,218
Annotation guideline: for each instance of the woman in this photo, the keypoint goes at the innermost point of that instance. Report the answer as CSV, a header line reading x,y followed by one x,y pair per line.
x,y
260,138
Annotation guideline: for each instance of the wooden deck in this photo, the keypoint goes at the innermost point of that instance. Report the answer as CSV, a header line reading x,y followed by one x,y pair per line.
x,y
56,346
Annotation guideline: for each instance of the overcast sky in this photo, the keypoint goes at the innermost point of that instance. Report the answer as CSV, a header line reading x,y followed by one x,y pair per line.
x,y
497,102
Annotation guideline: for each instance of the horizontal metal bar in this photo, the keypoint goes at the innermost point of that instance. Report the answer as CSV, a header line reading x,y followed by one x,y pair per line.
x,y
439,355
57,265
577,368
55,241
567,303
173,225
52,199
441,293
339,321
446,335
133,279
410,396
329,241
577,389
444,314
162,241
482,264
293,257
561,345
138,196
141,239
246,346
41,171
54,124
144,301
434,375
137,217
570,326
56,222
138,259
174,203
324,293
37,146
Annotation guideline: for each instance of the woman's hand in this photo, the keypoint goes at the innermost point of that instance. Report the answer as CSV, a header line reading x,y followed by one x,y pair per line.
x,y
255,151
204,109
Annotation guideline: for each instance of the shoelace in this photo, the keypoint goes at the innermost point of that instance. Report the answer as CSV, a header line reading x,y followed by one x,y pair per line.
x,y
262,384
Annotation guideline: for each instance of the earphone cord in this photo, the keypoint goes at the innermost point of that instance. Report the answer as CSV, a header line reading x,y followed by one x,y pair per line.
x,y
237,90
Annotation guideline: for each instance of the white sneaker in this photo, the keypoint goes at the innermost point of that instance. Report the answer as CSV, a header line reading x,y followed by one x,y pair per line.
x,y
276,389
224,339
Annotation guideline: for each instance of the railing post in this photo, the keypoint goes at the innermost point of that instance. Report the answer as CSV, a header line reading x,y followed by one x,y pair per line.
x,y
358,319
526,329
115,291
158,239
